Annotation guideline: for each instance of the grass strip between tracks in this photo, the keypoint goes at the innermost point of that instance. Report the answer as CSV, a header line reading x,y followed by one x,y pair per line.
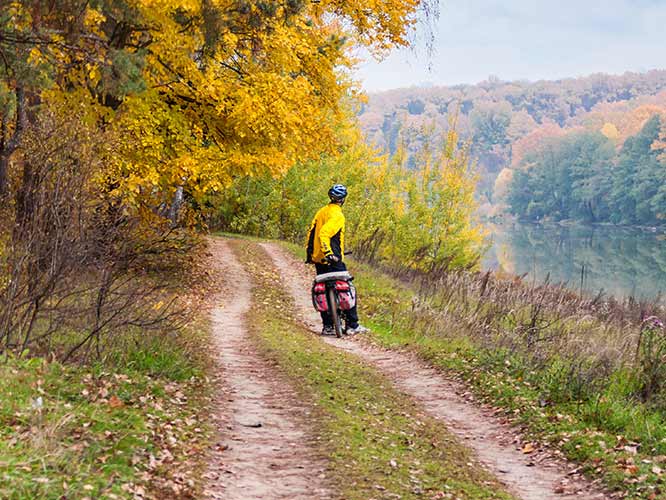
x,y
378,443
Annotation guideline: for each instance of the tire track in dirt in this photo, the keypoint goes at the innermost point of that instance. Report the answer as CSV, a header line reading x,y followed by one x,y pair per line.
x,y
530,477
263,453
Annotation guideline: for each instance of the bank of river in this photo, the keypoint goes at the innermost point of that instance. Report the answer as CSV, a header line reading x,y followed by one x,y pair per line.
x,y
620,261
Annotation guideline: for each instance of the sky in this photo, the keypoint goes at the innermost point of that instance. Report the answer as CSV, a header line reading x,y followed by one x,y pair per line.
x,y
528,40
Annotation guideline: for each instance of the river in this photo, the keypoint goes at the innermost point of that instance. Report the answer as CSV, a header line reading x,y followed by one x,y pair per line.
x,y
620,261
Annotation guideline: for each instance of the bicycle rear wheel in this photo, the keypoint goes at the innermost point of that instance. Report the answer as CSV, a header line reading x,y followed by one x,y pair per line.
x,y
334,311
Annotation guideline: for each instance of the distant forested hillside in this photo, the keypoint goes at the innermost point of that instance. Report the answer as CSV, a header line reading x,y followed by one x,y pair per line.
x,y
514,126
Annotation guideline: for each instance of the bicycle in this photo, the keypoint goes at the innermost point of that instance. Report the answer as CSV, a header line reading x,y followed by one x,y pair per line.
x,y
334,293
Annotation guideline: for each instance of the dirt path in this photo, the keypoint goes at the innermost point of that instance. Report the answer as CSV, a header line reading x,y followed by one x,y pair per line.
x,y
530,477
264,452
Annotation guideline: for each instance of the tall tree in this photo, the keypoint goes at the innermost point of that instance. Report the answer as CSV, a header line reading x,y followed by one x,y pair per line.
x,y
634,178
207,89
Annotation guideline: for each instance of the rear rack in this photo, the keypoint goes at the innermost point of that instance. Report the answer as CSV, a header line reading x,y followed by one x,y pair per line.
x,y
340,275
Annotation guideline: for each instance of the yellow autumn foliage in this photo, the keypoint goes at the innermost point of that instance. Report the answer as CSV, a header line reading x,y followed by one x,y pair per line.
x,y
610,131
204,91
241,107
418,213
254,103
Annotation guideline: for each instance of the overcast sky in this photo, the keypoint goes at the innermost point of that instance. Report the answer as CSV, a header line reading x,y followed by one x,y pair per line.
x,y
530,39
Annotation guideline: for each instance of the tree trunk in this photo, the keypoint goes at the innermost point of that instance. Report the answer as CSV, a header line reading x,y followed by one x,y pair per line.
x,y
25,198
13,143
175,205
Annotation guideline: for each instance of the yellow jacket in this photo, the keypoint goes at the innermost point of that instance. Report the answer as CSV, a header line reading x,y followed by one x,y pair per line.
x,y
327,234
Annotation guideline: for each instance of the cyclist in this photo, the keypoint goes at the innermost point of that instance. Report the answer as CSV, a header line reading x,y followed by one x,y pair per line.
x,y
326,250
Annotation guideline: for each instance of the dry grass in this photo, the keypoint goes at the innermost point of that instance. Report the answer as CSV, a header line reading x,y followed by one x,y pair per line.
x,y
593,336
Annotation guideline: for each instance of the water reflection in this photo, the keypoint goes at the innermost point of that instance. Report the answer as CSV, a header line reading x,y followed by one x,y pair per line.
x,y
620,261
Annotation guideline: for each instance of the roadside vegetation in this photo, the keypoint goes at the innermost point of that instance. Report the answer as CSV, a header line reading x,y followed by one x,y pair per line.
x,y
419,213
378,443
584,377
134,426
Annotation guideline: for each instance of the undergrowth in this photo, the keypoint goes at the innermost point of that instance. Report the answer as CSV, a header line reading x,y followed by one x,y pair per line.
x,y
131,424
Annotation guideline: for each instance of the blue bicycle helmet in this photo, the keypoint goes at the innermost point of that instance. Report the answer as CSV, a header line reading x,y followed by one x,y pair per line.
x,y
337,193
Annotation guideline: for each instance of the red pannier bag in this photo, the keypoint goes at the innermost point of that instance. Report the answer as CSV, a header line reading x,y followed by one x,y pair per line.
x,y
319,297
346,294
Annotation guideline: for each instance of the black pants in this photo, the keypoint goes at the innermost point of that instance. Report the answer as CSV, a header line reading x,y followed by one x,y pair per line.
x,y
351,316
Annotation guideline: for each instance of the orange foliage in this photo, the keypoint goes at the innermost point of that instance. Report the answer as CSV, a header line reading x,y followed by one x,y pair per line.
x,y
533,141
634,121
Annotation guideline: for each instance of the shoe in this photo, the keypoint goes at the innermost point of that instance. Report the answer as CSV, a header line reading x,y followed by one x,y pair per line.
x,y
328,330
358,329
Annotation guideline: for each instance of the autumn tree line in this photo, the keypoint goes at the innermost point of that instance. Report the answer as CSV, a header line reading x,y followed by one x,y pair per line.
x,y
584,176
505,122
131,127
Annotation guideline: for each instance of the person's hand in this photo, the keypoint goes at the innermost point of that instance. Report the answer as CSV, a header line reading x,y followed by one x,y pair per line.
x,y
332,258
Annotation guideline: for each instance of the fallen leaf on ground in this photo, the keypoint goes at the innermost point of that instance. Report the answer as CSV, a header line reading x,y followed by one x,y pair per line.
x,y
115,402
528,448
631,469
